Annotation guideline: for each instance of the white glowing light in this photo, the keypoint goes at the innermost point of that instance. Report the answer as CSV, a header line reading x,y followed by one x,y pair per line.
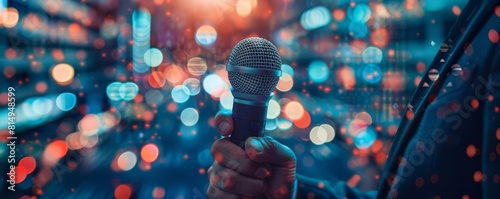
x,y
153,57
273,109
127,161
189,116
214,85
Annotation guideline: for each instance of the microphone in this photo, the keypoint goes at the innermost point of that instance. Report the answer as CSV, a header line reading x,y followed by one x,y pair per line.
x,y
254,69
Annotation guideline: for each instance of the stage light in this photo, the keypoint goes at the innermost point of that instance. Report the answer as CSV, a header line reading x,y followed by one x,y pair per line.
x,y
63,74
197,66
315,18
206,35
318,71
372,73
214,85
153,57
127,161
189,116
180,94
273,109
66,101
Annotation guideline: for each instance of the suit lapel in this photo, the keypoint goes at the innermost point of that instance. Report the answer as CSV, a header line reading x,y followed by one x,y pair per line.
x,y
464,29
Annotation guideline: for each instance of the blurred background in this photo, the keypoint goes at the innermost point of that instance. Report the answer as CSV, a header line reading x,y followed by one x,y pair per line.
x,y
116,98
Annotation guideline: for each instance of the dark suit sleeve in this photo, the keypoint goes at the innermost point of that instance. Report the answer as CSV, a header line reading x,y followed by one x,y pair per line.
x,y
490,152
314,188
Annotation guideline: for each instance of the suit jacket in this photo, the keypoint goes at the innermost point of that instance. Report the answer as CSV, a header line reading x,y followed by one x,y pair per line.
x,y
448,145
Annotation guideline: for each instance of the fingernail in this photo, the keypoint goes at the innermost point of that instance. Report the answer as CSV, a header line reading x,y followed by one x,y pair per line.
x,y
224,126
257,145
261,173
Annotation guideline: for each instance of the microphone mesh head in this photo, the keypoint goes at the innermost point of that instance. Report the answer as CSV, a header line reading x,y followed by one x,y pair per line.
x,y
258,53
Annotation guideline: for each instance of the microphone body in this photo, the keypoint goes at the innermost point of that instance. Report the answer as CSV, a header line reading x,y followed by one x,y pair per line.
x,y
249,121
254,69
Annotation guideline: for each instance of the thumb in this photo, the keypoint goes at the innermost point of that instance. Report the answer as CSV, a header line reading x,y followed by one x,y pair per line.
x,y
268,150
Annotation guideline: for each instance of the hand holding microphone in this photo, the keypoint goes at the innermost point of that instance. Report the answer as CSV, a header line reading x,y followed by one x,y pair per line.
x,y
247,163
264,169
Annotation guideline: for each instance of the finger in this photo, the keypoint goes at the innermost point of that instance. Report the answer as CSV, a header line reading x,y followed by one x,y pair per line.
x,y
228,180
214,192
233,157
224,122
266,149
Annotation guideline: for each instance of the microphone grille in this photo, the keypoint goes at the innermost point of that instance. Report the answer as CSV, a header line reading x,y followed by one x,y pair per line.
x,y
257,53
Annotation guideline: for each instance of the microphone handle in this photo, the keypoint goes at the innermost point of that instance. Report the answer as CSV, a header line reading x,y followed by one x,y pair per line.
x,y
249,121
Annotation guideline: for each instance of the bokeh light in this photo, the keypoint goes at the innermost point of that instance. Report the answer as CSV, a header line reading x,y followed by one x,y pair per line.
x,y
9,17
359,13
113,91
318,71
293,110
365,138
149,152
273,109
57,149
153,57
372,73
192,85
128,91
127,160
206,35
66,101
197,66
214,85
226,101
244,8
89,124
372,55
286,83
189,116
180,94
123,191
63,74
315,18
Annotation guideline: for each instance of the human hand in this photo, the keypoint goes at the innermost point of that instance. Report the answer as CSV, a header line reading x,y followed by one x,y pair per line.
x,y
265,169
